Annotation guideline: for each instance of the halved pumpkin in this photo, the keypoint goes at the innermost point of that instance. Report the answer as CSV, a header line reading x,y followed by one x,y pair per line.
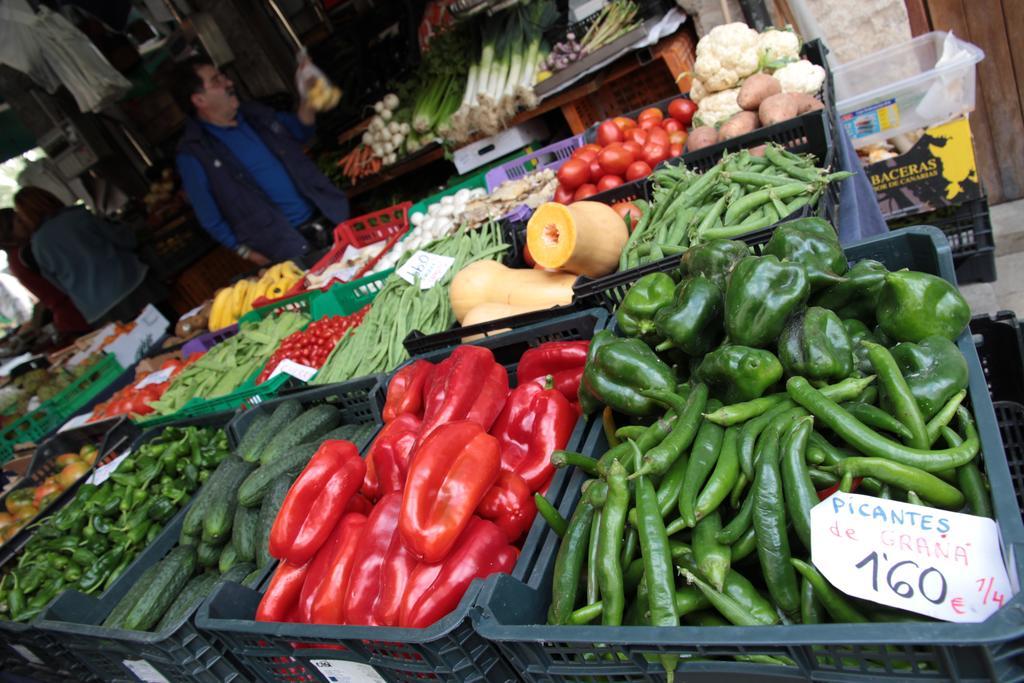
x,y
585,238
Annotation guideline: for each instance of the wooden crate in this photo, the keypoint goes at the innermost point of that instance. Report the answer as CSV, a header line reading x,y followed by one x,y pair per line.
x,y
202,279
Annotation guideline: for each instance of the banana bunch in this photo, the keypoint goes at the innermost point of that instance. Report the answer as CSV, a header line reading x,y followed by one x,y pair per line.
x,y
231,303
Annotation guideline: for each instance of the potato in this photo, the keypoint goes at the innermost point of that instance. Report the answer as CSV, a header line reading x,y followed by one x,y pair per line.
x,y
757,151
739,124
777,108
701,137
756,89
806,103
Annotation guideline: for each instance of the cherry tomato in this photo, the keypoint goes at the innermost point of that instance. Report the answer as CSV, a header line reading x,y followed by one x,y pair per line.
x,y
635,147
657,137
638,135
562,195
638,169
655,154
583,191
615,159
671,125
624,123
608,182
628,209
596,171
682,110
607,133
651,114
587,155
573,173
677,138
675,150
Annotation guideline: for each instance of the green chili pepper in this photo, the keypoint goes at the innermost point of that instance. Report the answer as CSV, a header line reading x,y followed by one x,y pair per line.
x,y
613,523
904,477
739,524
811,611
799,492
898,393
723,478
569,563
659,459
713,558
834,603
877,419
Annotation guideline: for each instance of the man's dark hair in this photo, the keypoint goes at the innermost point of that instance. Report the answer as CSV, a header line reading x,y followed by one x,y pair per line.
x,y
184,81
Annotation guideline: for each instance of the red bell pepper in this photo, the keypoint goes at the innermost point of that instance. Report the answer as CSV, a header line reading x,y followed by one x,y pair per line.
x,y
399,564
391,451
510,505
534,423
329,600
563,360
468,385
450,474
358,503
364,580
481,551
282,596
405,390
320,566
371,485
316,501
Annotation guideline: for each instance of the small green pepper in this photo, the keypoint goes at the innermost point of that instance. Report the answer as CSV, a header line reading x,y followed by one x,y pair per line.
x,y
739,373
763,292
636,312
714,260
97,573
692,321
618,370
934,369
857,296
813,243
99,524
914,305
814,344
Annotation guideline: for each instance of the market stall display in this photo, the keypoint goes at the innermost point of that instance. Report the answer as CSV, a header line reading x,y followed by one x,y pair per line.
x,y
231,303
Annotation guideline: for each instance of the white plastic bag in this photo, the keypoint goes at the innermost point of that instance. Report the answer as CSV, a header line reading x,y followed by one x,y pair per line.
x,y
313,84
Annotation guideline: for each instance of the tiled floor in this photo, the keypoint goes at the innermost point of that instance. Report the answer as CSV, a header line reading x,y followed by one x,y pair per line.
x,y
1007,292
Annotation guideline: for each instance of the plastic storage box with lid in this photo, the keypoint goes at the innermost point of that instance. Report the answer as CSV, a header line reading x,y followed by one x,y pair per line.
x,y
915,84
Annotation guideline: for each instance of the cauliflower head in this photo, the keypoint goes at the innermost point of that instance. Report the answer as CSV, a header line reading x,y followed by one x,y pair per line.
x,y
697,90
801,76
778,45
725,55
719,107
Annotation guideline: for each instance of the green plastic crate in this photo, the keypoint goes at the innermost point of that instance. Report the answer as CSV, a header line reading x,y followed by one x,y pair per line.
x,y
301,303
349,297
53,413
249,393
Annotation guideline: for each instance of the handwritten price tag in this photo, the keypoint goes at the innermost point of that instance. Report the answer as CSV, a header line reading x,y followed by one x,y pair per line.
x,y
429,268
943,564
301,372
158,377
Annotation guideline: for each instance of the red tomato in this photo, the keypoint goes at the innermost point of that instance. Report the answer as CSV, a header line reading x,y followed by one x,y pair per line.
x,y
587,155
647,124
624,123
608,182
655,154
635,147
607,133
677,138
562,195
573,173
583,191
596,171
657,137
671,125
627,209
615,159
590,147
638,135
638,169
682,110
675,150
651,114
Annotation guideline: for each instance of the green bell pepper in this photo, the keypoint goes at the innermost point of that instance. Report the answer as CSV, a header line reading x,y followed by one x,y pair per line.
x,y
714,260
763,292
913,305
636,312
692,322
935,370
815,344
856,297
813,243
617,371
737,373
857,331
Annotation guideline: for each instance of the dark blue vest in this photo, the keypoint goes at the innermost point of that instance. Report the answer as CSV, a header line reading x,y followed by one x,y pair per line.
x,y
255,220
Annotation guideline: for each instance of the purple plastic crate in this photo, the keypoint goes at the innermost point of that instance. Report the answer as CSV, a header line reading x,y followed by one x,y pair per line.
x,y
205,342
552,156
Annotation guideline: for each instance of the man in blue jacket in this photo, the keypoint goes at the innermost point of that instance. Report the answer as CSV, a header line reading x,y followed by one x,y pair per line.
x,y
245,171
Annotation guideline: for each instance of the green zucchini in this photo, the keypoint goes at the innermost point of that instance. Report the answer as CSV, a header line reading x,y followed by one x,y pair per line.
x,y
220,508
255,435
238,572
173,572
194,592
313,423
256,485
125,604
245,532
228,558
283,415
207,554
268,513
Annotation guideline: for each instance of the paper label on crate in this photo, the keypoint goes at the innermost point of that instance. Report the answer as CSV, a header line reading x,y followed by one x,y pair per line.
x,y
337,671
75,422
158,377
103,472
144,671
942,564
301,372
150,326
429,268
27,654
878,117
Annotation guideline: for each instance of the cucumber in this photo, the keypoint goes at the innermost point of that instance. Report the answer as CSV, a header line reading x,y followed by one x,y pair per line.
x,y
245,532
194,592
268,513
173,572
253,437
228,558
192,525
283,415
220,508
252,579
238,572
256,485
207,555
125,604
314,422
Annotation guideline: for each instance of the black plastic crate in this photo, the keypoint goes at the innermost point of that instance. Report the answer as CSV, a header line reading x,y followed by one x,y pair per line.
x,y
1000,346
968,227
513,611
448,650
1010,416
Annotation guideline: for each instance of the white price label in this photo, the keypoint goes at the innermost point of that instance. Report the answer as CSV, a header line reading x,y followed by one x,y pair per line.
x,y
103,472
144,671
942,564
75,422
429,268
27,654
301,372
337,671
158,377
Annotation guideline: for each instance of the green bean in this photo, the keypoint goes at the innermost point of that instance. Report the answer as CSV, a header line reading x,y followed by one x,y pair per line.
x,y
832,600
551,515
905,477
761,179
891,380
756,199
713,214
789,167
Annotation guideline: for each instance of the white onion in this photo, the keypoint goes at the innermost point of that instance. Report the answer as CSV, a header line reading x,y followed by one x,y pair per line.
x,y
417,218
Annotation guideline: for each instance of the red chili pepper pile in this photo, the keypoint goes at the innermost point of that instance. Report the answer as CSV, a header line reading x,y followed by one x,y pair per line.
x,y
312,345
135,401
444,493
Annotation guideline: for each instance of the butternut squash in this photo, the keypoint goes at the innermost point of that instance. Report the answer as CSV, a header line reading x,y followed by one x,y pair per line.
x,y
486,312
489,282
585,238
